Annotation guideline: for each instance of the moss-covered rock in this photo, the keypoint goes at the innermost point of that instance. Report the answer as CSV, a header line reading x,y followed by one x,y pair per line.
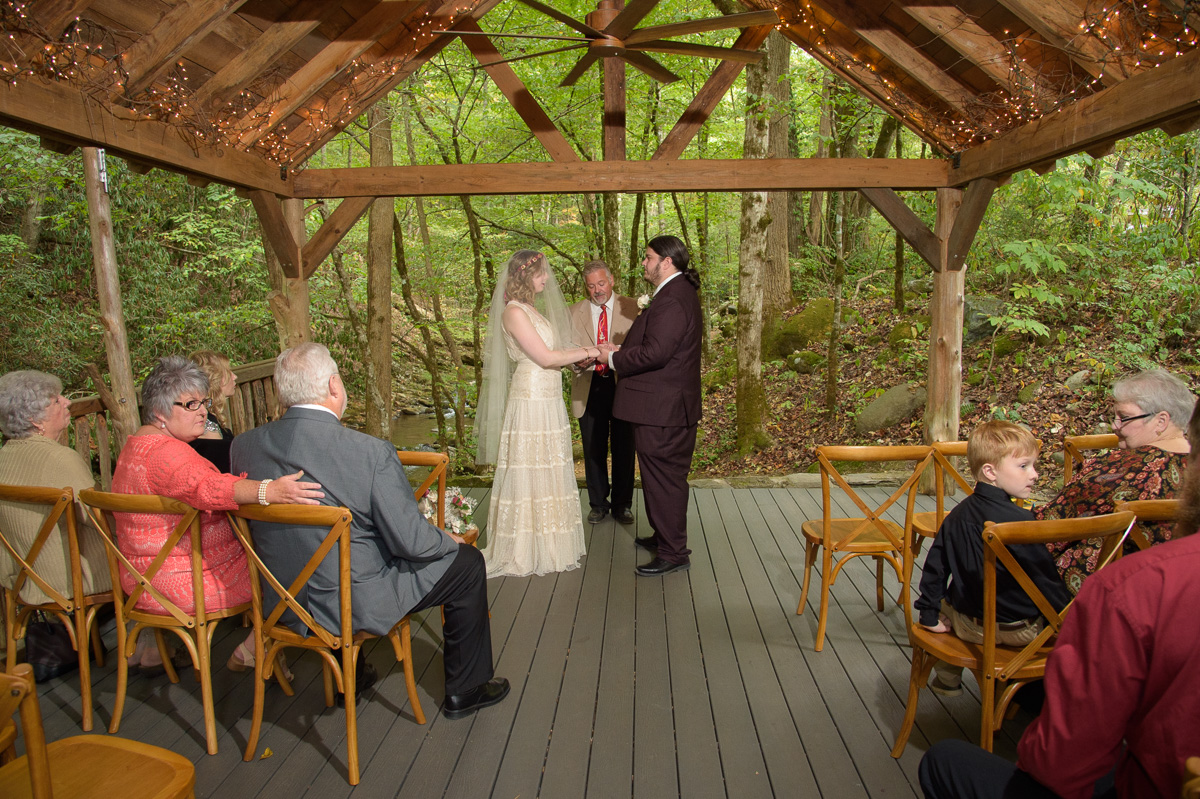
x,y
900,333
795,333
805,362
1005,345
1027,393
975,378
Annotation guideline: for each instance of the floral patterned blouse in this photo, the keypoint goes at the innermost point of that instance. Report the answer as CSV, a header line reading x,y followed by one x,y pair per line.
x,y
1120,475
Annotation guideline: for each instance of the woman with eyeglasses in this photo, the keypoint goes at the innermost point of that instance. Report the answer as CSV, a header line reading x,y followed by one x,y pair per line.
x,y
216,439
1150,411
157,459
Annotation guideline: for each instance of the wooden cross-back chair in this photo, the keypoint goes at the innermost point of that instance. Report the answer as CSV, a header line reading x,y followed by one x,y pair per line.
x,y
338,649
195,630
75,609
1148,511
1002,670
870,534
438,463
84,765
1074,448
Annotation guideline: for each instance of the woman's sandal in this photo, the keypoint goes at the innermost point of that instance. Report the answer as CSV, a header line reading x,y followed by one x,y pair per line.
x,y
242,659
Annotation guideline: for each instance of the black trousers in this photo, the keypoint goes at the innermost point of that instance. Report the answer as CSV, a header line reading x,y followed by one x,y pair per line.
x,y
597,428
954,769
665,457
467,631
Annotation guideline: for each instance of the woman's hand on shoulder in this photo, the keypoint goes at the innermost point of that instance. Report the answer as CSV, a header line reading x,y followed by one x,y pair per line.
x,y
290,490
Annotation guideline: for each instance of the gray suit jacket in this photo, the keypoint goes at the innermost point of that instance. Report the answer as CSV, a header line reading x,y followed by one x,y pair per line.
x,y
396,556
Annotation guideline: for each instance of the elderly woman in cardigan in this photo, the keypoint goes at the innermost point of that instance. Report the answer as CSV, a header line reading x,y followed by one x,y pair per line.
x,y
33,415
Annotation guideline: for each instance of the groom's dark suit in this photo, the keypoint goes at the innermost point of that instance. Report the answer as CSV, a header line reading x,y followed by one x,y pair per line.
x,y
399,563
659,392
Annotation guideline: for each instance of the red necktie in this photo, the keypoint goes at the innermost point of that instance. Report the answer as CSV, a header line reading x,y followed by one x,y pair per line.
x,y
602,336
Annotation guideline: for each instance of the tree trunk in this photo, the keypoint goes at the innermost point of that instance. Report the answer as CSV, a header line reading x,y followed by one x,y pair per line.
x,y
754,255
480,264
898,283
420,322
816,200
379,284
31,219
125,415
636,248
777,278
835,327
611,203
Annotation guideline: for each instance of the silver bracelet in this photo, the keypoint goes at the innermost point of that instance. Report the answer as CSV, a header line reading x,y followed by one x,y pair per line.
x,y
262,493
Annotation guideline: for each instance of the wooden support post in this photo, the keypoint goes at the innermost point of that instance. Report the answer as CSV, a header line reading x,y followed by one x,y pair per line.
x,y
108,291
298,321
945,329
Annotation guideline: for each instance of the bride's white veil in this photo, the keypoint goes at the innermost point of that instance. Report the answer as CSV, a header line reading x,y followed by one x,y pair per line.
x,y
497,367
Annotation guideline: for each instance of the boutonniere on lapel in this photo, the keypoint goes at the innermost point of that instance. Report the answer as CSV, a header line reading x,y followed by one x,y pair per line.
x,y
644,302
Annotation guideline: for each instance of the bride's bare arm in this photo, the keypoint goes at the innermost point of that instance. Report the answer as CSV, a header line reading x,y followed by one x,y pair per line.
x,y
518,325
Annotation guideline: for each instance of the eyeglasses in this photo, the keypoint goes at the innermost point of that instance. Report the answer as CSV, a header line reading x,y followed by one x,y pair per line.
x,y
194,405
1121,421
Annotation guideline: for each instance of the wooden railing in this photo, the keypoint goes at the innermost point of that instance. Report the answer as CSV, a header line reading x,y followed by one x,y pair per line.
x,y
91,434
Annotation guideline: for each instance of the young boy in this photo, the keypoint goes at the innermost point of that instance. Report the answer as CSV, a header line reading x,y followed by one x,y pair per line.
x,y
1001,456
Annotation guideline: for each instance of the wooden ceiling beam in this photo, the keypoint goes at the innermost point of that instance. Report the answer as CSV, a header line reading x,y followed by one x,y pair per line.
x,y
723,77
368,89
277,232
521,99
900,51
276,40
975,202
332,60
332,231
1153,98
1183,125
155,51
56,146
892,207
973,43
1057,21
59,111
776,174
613,121
967,218
51,17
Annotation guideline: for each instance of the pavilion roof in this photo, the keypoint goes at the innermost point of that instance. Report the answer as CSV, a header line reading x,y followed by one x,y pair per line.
x,y
245,92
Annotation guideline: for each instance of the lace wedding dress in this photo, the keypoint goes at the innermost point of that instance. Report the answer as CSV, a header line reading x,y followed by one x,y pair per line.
x,y
535,525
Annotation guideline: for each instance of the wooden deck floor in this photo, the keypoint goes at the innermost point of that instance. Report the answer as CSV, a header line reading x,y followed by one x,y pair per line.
x,y
700,684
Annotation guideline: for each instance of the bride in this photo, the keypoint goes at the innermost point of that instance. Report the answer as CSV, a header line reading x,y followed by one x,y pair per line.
x,y
535,525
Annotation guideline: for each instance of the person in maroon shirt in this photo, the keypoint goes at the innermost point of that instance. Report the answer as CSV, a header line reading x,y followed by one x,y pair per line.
x,y
1122,710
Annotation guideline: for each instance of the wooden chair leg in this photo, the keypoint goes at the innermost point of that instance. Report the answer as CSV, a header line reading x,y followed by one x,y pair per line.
x,y
259,697
125,645
987,691
810,557
879,584
826,583
10,623
410,678
204,670
349,684
85,666
922,664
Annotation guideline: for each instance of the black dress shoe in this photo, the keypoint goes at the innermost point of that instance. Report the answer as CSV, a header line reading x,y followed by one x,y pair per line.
x,y
486,695
623,516
647,543
597,515
364,677
658,567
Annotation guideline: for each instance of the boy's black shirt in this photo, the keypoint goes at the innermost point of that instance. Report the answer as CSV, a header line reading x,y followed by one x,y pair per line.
x,y
957,557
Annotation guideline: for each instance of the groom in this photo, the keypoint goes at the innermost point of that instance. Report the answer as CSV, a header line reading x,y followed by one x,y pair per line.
x,y
658,391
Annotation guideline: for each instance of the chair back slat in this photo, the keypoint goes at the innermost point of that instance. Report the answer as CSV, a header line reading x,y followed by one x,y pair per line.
x,y
1074,448
1148,510
941,453
338,521
59,500
438,463
998,538
20,694
101,507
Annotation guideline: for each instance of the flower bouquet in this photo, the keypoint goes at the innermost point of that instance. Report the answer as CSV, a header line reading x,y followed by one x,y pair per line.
x,y
459,510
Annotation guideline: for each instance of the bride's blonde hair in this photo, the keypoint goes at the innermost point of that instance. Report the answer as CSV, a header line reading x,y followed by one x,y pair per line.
x,y
518,285
218,369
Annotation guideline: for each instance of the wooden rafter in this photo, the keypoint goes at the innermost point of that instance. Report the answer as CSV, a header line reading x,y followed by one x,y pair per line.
x,y
52,16
334,229
972,42
718,84
1155,97
1057,21
277,39
521,99
900,51
633,176
78,120
155,52
305,83
891,206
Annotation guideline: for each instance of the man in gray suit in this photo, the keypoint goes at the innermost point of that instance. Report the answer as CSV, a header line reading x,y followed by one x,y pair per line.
x,y
400,563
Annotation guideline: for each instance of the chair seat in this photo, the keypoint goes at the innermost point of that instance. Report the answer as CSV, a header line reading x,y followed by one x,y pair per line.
x,y
925,523
957,652
97,765
871,539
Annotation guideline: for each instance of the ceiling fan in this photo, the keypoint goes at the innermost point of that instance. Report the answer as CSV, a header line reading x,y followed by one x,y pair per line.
x,y
611,32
